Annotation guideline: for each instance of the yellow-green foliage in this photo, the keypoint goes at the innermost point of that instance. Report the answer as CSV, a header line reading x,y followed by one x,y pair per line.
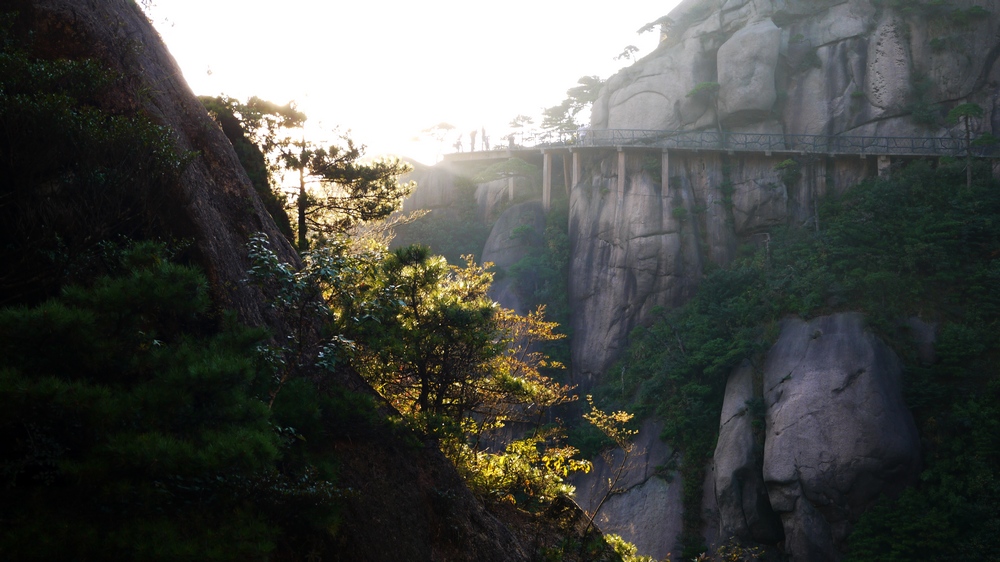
x,y
529,472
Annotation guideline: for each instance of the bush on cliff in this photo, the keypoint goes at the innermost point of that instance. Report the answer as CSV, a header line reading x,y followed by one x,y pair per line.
x,y
922,243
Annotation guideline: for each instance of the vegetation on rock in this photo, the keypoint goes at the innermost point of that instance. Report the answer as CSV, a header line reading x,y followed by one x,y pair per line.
x,y
920,244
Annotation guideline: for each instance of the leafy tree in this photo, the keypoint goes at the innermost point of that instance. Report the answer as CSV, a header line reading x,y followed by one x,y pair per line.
x,y
614,427
445,349
134,429
664,23
965,113
439,132
350,190
347,189
428,338
628,53
257,129
518,123
562,117
72,172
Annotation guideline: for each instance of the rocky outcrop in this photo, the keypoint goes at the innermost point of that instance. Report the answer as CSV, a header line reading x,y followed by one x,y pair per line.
x,y
838,435
518,231
747,63
744,509
645,246
406,500
436,187
645,508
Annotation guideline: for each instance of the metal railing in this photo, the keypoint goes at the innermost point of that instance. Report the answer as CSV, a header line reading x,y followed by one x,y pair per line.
x,y
762,142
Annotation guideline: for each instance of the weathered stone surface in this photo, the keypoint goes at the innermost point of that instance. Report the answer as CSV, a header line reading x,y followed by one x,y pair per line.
x,y
744,509
887,80
648,510
746,69
630,252
435,187
818,67
838,432
516,233
517,230
643,248
840,67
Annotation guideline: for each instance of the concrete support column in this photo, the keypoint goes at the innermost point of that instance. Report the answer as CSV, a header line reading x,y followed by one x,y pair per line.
x,y
546,180
566,172
621,174
576,169
664,173
884,164
824,170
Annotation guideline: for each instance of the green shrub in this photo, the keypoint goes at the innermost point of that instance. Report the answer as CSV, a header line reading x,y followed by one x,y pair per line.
x,y
134,429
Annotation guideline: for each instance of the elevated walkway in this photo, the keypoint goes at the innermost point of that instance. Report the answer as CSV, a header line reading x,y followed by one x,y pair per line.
x,y
586,140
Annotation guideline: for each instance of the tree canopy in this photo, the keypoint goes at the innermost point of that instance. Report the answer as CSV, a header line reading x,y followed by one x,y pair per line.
x,y
348,189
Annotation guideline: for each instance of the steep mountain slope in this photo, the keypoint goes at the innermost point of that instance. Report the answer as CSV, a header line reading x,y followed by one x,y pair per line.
x,y
406,499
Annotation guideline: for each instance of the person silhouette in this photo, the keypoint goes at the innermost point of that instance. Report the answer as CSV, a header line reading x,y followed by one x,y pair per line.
x,y
472,141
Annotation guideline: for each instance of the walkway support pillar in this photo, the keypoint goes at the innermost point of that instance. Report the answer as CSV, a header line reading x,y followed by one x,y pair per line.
x,y
566,172
621,174
664,173
884,165
576,169
546,180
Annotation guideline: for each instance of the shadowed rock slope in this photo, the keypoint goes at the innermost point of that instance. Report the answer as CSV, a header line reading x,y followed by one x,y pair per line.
x,y
407,501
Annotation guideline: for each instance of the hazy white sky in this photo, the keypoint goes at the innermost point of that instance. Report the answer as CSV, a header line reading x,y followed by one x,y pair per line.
x,y
386,69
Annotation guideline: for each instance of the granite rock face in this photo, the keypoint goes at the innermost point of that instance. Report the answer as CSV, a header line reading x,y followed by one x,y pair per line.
x,y
744,508
516,233
647,508
784,67
838,435
814,66
647,245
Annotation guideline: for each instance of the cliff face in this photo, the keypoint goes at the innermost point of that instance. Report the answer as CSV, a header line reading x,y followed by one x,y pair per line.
x,y
853,67
836,433
823,67
837,436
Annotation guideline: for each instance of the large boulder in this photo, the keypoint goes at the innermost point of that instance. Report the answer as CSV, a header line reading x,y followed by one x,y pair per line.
x,y
744,509
747,63
838,433
645,509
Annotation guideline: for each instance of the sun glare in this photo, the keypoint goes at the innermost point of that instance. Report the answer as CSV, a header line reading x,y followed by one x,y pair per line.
x,y
390,69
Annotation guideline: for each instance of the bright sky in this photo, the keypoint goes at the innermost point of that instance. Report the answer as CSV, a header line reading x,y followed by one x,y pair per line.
x,y
387,69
